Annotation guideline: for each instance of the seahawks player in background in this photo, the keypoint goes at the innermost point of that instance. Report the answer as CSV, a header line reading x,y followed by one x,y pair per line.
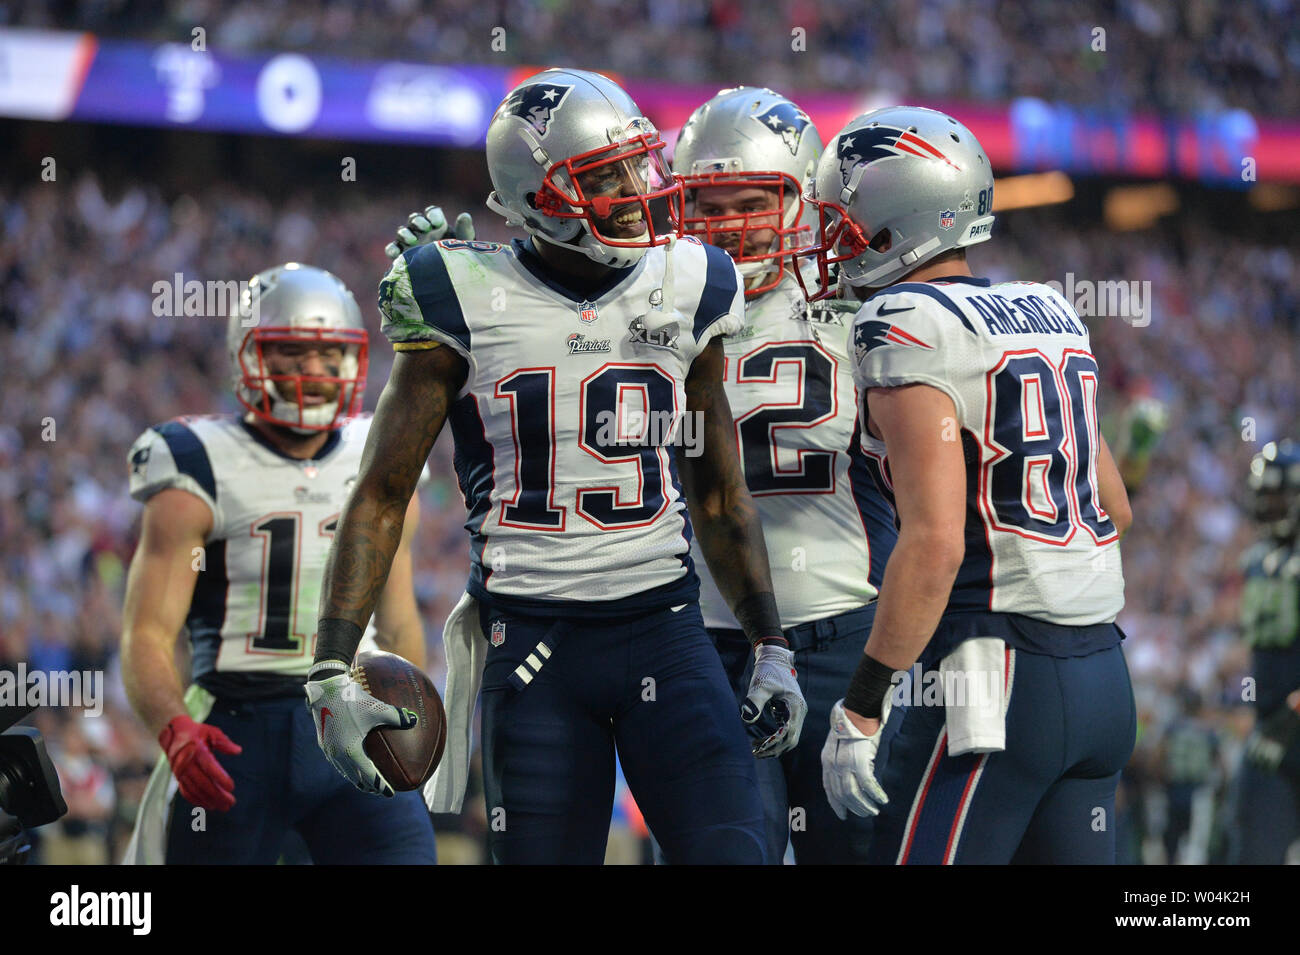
x,y
238,518
746,156
564,363
979,411
1268,785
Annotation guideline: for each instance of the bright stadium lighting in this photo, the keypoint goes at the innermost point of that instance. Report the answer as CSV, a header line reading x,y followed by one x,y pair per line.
x,y
1033,189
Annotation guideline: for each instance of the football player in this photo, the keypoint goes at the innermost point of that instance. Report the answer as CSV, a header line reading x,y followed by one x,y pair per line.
x,y
746,156
581,373
1267,790
239,512
979,407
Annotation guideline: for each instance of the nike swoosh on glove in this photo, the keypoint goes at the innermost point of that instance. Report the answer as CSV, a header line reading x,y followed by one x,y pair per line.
x,y
189,747
772,687
849,765
429,226
344,714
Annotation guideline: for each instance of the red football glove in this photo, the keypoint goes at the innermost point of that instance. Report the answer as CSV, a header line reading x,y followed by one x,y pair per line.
x,y
189,747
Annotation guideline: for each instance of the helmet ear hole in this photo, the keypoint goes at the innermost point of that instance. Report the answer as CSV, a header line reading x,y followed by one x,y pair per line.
x,y
881,241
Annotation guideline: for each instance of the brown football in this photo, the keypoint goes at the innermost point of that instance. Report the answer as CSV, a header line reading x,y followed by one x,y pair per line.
x,y
406,757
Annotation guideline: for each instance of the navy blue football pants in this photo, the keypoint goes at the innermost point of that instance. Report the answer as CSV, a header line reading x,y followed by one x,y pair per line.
x,y
283,782
1048,798
795,808
650,686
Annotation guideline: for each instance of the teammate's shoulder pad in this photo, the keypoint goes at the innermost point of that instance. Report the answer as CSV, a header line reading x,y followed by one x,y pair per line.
x,y
418,303
722,295
172,455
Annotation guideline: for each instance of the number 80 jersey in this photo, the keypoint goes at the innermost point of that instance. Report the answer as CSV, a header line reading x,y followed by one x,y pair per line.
x,y
1016,361
567,427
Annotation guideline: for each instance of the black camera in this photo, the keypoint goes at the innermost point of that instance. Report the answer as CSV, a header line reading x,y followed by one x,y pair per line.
x,y
29,786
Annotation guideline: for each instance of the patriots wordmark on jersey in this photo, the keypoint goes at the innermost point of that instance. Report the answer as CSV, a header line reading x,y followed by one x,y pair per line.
x,y
252,620
1015,359
789,380
569,475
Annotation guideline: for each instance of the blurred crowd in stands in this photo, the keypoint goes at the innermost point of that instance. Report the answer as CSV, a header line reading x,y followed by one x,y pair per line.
x,y
1172,57
88,366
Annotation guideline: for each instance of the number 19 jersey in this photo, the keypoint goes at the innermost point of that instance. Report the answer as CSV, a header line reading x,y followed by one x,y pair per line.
x,y
1016,361
566,430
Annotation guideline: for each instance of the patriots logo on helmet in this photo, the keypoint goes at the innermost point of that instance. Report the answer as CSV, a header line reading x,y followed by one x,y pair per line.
x,y
787,121
536,104
868,336
862,147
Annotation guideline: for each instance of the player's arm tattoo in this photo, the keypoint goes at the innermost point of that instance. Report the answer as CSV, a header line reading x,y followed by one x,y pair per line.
x,y
410,415
722,512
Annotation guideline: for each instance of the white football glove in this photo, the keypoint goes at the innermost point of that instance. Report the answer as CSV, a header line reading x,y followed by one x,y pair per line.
x,y
849,765
428,226
774,682
344,714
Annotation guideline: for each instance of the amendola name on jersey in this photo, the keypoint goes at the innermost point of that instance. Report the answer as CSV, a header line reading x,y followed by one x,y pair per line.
x,y
1016,361
252,620
564,429
828,530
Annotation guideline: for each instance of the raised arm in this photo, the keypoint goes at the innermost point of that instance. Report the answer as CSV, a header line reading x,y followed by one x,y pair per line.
x,y
731,538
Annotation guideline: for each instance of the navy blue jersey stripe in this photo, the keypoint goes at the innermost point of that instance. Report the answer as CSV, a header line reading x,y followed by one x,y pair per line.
x,y
189,454
434,293
876,512
720,287
923,288
208,609
973,588
473,460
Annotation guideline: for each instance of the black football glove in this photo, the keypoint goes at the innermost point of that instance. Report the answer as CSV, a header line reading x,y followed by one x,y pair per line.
x,y
1272,738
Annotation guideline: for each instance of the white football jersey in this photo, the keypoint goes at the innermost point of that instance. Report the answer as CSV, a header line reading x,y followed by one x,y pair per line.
x,y
566,426
1016,361
828,529
252,620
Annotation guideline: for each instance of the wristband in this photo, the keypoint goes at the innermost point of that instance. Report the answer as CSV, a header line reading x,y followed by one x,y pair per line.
x,y
337,639
759,617
872,680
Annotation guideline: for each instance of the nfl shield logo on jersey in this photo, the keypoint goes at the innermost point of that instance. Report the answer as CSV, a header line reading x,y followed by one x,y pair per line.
x,y
946,219
498,633
587,312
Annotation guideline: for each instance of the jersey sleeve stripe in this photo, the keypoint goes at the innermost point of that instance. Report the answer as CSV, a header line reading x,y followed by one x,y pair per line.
x,y
434,293
720,288
921,288
190,456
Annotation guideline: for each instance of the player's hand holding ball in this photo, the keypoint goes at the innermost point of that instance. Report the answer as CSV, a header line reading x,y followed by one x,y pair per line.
x,y
428,226
190,747
774,701
344,714
849,764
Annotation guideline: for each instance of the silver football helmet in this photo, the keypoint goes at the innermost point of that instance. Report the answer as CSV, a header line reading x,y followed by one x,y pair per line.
x,y
747,139
298,304
916,172
574,162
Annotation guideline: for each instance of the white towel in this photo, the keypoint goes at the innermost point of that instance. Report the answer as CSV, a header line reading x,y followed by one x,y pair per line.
x,y
466,650
977,679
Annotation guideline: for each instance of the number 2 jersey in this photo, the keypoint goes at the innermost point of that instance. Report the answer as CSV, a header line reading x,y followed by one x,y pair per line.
x,y
828,530
252,620
1015,359
565,429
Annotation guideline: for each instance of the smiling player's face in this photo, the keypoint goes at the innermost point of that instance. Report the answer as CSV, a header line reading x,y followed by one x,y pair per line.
x,y
620,180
